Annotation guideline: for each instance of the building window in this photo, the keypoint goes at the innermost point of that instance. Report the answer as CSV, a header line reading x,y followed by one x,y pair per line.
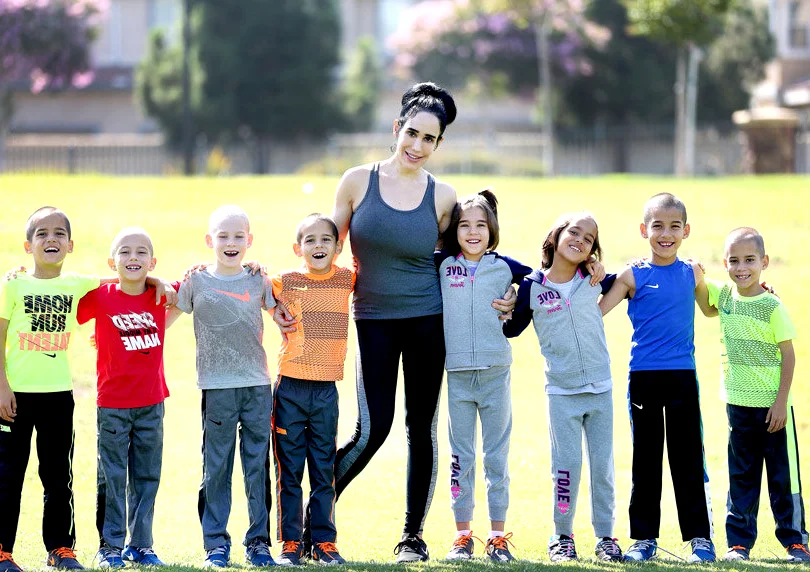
x,y
165,15
799,24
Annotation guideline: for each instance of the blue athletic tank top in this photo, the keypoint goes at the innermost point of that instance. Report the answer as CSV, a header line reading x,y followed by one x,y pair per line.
x,y
396,275
662,312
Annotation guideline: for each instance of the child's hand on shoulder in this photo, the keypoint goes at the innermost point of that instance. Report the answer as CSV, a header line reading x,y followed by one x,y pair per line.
x,y
596,269
165,290
194,268
12,274
255,268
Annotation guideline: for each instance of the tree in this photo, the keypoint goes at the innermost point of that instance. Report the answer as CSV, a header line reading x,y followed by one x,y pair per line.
x,y
520,44
688,25
47,42
362,86
259,70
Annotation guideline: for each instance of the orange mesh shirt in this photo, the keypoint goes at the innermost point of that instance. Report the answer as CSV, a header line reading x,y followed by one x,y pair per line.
x,y
317,349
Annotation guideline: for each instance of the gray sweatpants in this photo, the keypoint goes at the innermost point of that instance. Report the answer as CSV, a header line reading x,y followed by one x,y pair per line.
x,y
570,417
485,393
224,411
130,456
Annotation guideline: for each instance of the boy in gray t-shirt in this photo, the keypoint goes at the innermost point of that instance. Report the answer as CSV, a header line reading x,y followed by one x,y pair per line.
x,y
227,303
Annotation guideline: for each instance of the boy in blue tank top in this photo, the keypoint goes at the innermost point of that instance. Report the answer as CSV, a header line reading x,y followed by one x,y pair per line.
x,y
662,290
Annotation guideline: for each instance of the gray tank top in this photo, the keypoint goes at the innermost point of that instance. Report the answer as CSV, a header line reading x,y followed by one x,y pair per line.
x,y
396,276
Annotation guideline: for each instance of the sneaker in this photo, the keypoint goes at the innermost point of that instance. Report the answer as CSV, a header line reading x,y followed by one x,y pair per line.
x,y
641,550
217,557
109,557
736,554
498,548
462,548
63,558
702,551
7,563
291,554
411,549
326,553
798,553
257,553
561,549
143,556
608,550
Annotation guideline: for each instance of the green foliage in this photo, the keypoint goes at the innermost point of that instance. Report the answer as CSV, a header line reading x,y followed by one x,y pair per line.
x,y
362,85
677,22
259,69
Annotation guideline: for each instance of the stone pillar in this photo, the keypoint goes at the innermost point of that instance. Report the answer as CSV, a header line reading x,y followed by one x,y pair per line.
x,y
770,139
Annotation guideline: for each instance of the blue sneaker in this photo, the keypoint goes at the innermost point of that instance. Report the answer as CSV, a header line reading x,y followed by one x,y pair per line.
x,y
257,553
143,556
702,551
641,550
109,557
217,557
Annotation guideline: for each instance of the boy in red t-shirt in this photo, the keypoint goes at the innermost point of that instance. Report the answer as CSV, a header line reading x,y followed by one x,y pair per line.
x,y
129,334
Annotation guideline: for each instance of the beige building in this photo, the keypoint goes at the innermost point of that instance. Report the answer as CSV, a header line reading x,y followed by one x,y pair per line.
x,y
107,105
788,75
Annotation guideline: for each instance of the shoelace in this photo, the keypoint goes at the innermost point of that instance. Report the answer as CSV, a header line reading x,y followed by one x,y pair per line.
x,y
411,541
221,550
327,547
6,556
610,546
260,547
64,552
501,542
701,544
737,547
801,547
291,546
148,551
462,540
566,546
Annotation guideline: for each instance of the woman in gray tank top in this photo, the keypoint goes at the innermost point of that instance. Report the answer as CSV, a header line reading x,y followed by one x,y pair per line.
x,y
393,213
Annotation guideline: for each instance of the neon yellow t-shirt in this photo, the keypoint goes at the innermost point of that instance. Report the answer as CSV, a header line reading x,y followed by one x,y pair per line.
x,y
752,328
42,317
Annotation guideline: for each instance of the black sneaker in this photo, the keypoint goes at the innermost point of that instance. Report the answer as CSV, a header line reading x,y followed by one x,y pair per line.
x,y
63,559
798,553
498,548
608,550
326,553
411,549
561,549
736,554
291,554
7,563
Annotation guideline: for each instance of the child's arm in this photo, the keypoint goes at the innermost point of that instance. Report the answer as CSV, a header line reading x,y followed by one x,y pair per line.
x,y
777,413
8,403
702,291
522,314
172,314
623,287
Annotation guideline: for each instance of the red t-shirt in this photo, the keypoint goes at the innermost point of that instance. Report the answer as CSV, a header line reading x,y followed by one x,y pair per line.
x,y
129,338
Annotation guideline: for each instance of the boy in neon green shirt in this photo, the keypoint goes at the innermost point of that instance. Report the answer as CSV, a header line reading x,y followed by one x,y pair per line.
x,y
757,375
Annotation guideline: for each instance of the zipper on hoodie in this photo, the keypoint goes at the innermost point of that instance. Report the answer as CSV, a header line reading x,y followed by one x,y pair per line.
x,y
472,311
574,328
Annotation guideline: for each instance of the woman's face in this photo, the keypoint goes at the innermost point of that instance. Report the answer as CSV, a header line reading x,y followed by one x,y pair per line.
x,y
417,139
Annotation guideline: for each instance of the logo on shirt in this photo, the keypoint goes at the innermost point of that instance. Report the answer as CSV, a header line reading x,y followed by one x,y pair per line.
x,y
302,288
48,314
138,331
652,285
241,297
551,300
456,275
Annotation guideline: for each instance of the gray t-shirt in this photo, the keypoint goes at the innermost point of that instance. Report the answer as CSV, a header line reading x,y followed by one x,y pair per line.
x,y
228,326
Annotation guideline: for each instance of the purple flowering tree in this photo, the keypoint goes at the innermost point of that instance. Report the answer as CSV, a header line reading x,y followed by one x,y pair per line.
x,y
47,43
503,45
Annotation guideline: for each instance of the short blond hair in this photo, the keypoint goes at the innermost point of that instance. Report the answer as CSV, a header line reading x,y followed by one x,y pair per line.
x,y
746,234
130,231
226,212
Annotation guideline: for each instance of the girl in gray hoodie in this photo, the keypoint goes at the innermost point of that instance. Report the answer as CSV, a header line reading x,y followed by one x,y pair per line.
x,y
562,303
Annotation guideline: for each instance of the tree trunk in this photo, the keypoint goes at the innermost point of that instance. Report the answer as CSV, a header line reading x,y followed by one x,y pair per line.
x,y
541,33
6,113
695,55
680,112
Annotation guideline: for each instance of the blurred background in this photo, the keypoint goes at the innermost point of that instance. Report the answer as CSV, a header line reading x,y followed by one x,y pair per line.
x,y
544,87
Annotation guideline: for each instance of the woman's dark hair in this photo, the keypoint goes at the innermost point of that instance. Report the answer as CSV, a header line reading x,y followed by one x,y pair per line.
x,y
429,97
486,201
553,238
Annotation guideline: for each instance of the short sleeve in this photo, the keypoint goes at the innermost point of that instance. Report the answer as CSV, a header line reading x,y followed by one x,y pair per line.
x,y
781,325
714,288
269,292
87,307
90,283
276,283
185,295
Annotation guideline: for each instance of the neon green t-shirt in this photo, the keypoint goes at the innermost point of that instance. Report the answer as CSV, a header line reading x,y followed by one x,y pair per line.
x,y
752,328
42,317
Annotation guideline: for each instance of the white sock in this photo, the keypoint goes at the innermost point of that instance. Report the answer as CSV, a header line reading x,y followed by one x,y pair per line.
x,y
494,533
463,533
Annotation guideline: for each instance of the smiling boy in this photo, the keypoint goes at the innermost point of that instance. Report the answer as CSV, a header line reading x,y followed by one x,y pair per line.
x,y
305,402
662,291
757,375
227,302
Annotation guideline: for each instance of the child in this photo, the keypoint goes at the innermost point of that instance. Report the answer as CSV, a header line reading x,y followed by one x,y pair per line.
x,y
757,376
563,306
305,399
129,336
478,358
39,313
662,294
227,301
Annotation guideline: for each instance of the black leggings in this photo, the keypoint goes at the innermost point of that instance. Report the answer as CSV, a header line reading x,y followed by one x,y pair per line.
x,y
420,342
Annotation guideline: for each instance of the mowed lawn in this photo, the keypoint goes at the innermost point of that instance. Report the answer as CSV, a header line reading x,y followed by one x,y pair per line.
x,y
370,513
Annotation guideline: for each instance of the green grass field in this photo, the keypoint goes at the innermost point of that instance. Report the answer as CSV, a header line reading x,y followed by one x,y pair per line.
x,y
370,513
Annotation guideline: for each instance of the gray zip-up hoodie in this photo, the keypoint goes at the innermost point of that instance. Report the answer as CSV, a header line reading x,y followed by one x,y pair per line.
x,y
473,334
570,331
